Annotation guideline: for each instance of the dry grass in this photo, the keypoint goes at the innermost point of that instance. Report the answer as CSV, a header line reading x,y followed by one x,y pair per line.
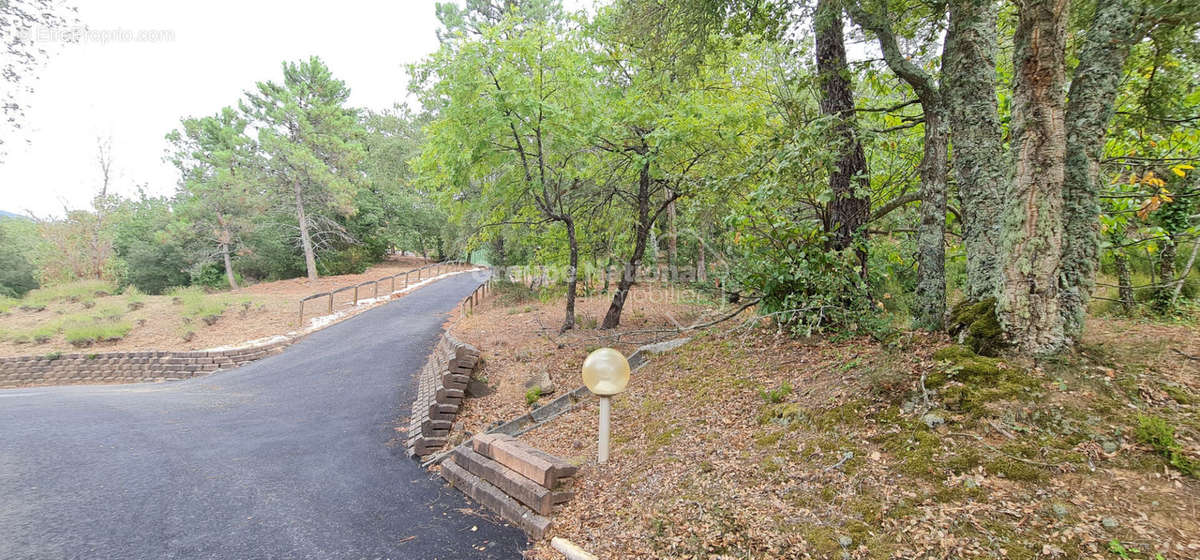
x,y
705,463
187,319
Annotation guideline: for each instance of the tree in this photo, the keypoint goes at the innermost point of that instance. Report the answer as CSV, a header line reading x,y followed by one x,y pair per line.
x,y
311,147
969,83
19,19
851,206
515,116
18,241
1031,244
218,185
931,229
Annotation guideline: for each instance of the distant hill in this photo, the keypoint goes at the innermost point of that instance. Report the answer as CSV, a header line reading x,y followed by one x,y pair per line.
x,y
4,214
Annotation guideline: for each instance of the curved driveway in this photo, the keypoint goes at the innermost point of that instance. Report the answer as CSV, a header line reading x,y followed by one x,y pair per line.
x,y
293,456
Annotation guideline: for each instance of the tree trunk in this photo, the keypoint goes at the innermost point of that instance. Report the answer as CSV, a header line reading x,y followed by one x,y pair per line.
x,y
233,285
572,275
1089,110
851,205
1031,245
1124,281
310,260
1166,271
701,266
931,231
969,67
612,319
1187,270
672,241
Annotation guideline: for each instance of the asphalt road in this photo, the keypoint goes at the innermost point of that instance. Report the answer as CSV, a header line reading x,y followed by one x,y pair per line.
x,y
293,456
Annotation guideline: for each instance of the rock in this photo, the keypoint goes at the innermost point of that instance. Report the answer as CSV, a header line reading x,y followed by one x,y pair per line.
x,y
1109,523
933,420
542,381
477,388
1060,511
845,541
1109,446
971,483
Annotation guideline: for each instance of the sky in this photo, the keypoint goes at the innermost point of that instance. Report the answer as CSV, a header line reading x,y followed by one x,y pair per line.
x,y
193,59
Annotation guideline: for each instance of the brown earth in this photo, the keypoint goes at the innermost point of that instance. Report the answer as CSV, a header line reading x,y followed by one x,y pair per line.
x,y
747,444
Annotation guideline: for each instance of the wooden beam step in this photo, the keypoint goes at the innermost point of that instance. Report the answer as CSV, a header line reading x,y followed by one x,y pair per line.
x,y
532,463
482,491
528,492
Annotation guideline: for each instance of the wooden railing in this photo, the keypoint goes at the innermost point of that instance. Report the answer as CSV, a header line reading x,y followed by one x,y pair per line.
x,y
437,268
481,291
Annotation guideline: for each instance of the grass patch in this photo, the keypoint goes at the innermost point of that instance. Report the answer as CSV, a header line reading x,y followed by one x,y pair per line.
x,y
84,333
1158,434
83,291
7,303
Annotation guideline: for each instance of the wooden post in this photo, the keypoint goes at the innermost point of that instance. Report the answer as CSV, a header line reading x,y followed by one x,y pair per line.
x,y
376,289
393,279
356,295
330,302
301,313
406,280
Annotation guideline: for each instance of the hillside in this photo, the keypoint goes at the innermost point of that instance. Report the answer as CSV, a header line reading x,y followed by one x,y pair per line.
x,y
745,444
90,315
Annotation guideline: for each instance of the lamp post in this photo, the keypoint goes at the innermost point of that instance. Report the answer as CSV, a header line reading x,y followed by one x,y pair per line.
x,y
606,373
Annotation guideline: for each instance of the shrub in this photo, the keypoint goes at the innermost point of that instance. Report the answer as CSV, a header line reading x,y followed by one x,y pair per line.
x,y
43,333
512,293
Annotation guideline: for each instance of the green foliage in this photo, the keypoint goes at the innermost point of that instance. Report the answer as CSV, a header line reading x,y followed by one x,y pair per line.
x,y
1159,435
17,272
83,291
532,395
775,396
85,333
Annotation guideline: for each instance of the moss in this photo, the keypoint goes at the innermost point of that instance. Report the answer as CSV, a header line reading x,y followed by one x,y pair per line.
x,y
1013,469
768,439
917,452
967,380
976,326
784,414
1178,394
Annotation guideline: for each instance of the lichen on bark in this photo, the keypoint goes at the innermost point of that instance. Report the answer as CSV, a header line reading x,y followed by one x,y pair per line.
x,y
1031,245
1092,95
979,160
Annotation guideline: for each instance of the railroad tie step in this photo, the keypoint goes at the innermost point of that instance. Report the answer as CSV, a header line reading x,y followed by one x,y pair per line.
x,y
532,463
538,498
484,492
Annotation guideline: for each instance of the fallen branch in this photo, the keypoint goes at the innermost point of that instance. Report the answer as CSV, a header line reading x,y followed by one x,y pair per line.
x,y
1185,355
997,450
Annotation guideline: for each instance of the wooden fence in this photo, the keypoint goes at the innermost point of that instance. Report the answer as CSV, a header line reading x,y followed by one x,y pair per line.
x,y
481,291
435,268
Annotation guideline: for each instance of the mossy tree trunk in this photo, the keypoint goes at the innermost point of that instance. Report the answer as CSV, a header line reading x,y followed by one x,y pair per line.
x,y
1124,281
851,205
1089,110
1031,244
931,231
979,162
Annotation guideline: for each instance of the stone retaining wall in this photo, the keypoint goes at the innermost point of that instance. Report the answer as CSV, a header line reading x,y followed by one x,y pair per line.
x,y
125,367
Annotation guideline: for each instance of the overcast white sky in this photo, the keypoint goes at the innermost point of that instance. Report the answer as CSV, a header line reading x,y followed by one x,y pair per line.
x,y
136,92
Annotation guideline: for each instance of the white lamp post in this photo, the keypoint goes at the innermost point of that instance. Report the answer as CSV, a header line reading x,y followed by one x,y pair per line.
x,y
606,373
